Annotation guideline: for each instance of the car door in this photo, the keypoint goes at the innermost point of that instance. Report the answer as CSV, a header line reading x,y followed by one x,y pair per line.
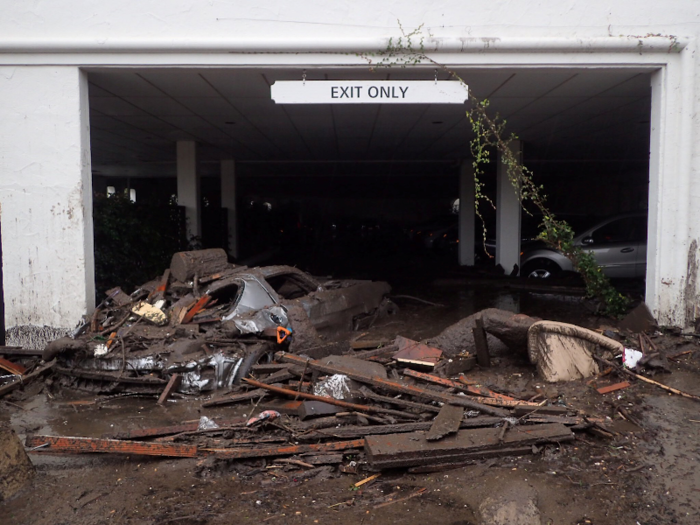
x,y
616,245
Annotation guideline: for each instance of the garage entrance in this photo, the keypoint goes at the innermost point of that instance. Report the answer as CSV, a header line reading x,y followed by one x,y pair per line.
x,y
335,188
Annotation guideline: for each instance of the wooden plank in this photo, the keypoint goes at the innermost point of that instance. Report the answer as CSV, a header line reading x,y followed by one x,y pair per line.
x,y
489,396
337,402
384,351
420,407
482,347
20,352
87,374
173,383
287,450
357,431
235,398
447,422
412,449
287,407
309,409
12,368
83,445
368,344
395,386
468,459
9,387
613,388
198,306
522,410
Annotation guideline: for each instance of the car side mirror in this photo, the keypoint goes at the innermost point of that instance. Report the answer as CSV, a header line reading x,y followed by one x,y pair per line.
x,y
587,240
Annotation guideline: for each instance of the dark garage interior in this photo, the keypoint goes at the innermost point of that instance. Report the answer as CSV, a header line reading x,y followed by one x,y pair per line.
x,y
345,189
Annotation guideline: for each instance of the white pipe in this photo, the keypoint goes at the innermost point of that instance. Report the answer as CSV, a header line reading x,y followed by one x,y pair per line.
x,y
311,45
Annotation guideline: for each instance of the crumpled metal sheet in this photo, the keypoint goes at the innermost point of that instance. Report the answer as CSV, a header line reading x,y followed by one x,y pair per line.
x,y
193,382
257,322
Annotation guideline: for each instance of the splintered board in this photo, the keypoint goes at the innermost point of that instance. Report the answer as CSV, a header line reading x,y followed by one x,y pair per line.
x,y
413,449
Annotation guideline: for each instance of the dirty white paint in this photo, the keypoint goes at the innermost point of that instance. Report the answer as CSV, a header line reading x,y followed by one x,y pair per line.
x,y
45,198
44,154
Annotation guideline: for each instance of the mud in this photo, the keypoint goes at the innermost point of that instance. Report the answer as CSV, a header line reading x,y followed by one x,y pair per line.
x,y
646,474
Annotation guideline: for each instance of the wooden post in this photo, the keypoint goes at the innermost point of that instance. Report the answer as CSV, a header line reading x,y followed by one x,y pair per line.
x,y
482,347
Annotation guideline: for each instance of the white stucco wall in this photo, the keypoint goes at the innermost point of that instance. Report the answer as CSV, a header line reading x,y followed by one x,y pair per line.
x,y
658,35
45,198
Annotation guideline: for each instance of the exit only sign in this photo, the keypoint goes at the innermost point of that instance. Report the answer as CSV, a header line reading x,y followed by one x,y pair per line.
x,y
369,92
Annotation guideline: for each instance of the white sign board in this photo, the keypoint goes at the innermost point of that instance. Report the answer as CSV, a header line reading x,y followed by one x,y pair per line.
x,y
369,92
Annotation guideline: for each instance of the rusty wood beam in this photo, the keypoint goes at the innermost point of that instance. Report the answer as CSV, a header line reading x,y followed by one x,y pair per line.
x,y
396,386
377,352
174,382
6,389
86,374
404,450
330,400
490,397
198,306
421,407
82,445
352,432
288,450
235,398
20,352
12,368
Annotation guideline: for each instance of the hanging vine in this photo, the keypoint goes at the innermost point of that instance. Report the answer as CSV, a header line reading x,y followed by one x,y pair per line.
x,y
490,135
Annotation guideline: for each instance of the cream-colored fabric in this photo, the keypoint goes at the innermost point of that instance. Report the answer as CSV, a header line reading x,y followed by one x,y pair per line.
x,y
564,352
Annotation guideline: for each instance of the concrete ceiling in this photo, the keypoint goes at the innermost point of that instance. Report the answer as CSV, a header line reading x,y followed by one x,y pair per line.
x,y
562,114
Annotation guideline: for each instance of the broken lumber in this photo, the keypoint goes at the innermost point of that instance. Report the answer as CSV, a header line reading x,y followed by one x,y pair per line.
x,y
12,368
447,422
613,388
113,378
20,352
332,401
287,450
356,431
421,407
647,380
82,445
489,396
395,386
23,380
407,450
469,460
309,409
173,383
235,398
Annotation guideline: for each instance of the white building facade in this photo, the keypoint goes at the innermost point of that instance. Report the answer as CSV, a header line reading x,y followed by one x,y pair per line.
x,y
49,50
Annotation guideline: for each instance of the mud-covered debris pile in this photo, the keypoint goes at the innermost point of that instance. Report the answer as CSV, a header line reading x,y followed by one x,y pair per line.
x,y
207,321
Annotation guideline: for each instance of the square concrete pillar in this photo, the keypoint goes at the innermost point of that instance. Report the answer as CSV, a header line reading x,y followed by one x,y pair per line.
x,y
45,201
228,201
508,213
467,215
189,193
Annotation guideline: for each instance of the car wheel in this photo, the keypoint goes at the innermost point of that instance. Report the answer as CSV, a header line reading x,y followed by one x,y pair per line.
x,y
257,354
540,269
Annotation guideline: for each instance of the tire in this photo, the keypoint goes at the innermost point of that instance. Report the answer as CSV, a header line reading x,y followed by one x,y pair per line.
x,y
540,269
263,352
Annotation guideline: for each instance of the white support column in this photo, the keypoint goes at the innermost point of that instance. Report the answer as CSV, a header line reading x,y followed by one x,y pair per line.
x,y
188,186
673,257
508,213
467,216
45,201
228,201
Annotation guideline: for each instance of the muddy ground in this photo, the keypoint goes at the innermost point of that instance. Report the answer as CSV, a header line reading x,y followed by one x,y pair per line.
x,y
647,474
